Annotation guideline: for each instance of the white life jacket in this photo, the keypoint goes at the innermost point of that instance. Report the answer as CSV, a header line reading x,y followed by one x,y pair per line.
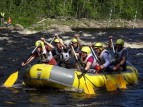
x,y
45,56
102,61
94,62
63,55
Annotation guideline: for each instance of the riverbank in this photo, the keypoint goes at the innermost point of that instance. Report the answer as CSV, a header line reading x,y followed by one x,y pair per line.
x,y
70,25
67,25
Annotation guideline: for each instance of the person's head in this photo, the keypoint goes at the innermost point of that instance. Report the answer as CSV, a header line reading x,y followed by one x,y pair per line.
x,y
74,42
120,43
98,47
57,42
85,50
40,45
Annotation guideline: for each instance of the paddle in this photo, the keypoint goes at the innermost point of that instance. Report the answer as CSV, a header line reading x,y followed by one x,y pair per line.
x,y
120,78
52,40
88,88
13,77
110,86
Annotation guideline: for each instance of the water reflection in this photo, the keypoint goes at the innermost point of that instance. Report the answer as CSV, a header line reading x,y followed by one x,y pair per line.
x,y
35,99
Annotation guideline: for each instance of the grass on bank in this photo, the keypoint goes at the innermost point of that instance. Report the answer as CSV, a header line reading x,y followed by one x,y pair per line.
x,y
47,23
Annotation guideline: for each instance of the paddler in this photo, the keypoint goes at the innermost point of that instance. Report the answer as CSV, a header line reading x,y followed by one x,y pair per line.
x,y
76,43
43,51
77,47
121,54
89,63
60,52
103,55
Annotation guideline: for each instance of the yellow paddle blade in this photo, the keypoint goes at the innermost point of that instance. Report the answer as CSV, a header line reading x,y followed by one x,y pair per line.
x,y
110,85
88,89
11,80
121,81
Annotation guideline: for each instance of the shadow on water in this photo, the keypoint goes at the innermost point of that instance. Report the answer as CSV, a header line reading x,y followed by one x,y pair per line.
x,y
14,49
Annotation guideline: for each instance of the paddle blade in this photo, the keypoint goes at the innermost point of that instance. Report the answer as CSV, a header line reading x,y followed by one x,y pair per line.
x,y
88,89
11,80
110,86
121,81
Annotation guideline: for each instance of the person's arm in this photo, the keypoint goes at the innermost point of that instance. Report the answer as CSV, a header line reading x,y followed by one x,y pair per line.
x,y
50,45
123,60
124,57
89,62
29,60
107,60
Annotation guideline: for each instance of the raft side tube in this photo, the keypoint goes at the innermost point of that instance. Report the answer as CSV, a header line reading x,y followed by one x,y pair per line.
x,y
55,76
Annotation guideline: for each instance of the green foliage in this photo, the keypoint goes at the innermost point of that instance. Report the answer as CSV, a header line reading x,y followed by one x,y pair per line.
x,y
27,12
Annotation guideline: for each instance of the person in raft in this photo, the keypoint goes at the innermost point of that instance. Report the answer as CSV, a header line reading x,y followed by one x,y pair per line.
x,y
88,62
76,44
43,51
104,57
77,47
60,52
120,54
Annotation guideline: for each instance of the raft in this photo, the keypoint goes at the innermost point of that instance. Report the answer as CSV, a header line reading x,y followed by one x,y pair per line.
x,y
49,76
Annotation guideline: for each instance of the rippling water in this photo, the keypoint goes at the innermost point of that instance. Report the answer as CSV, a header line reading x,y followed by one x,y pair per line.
x,y
14,49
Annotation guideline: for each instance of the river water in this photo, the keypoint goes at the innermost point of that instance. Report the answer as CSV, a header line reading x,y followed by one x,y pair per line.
x,y
15,48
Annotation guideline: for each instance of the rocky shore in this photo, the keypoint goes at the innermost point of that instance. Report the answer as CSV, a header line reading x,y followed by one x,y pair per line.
x,y
68,25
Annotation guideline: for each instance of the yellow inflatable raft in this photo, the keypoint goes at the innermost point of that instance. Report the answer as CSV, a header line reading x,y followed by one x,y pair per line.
x,y
42,75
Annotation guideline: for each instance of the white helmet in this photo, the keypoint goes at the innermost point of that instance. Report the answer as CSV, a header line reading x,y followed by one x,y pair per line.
x,y
64,56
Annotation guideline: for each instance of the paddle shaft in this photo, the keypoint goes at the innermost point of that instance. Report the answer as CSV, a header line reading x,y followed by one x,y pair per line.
x,y
31,54
52,40
28,57
76,57
112,46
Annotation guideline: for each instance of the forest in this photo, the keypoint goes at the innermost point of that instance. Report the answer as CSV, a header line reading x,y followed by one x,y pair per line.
x,y
29,11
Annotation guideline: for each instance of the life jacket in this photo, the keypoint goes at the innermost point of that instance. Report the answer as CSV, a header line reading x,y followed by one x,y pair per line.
x,y
93,65
120,53
118,58
77,49
62,54
46,57
58,52
101,59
